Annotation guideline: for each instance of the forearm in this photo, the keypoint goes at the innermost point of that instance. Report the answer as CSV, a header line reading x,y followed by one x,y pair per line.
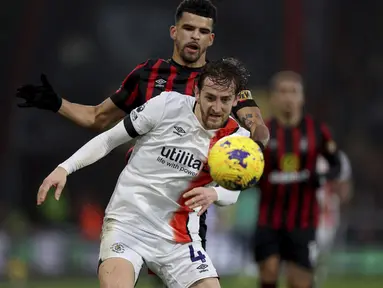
x,y
251,119
226,197
97,148
98,117
82,115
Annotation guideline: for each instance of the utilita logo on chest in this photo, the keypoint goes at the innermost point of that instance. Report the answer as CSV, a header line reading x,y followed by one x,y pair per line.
x,y
181,157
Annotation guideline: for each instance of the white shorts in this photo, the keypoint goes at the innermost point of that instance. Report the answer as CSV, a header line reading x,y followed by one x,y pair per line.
x,y
177,264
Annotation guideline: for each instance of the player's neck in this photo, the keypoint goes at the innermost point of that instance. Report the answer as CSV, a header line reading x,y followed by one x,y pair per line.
x,y
200,63
291,120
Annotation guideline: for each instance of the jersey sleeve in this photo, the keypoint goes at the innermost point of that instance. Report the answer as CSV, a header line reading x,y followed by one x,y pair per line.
x,y
245,99
226,197
96,148
144,118
127,96
328,149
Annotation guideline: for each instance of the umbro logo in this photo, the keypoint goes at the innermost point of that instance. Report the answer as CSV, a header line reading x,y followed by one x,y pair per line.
x,y
179,131
202,266
160,83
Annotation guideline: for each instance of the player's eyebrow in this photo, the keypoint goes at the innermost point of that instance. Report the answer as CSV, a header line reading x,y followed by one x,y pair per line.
x,y
205,30
222,97
188,26
202,29
210,94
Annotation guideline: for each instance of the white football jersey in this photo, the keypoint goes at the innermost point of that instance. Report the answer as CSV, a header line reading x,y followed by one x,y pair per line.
x,y
168,159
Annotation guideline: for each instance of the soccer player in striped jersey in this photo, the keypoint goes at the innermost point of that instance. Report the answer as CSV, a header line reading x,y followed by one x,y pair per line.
x,y
288,213
153,214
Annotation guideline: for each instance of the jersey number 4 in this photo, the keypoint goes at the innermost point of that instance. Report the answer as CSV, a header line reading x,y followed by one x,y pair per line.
x,y
197,257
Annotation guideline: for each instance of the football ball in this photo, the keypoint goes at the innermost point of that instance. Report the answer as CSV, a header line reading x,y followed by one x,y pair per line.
x,y
236,162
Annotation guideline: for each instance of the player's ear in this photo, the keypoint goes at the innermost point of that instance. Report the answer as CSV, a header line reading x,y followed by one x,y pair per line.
x,y
212,37
197,93
236,98
173,32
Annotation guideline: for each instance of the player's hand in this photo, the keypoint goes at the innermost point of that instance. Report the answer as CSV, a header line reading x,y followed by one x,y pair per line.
x,y
43,97
200,197
56,179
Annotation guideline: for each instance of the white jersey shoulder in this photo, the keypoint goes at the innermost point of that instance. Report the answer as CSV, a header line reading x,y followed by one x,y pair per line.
x,y
168,159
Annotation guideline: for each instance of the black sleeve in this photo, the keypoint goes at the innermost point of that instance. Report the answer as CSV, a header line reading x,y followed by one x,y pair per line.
x,y
329,151
127,97
245,100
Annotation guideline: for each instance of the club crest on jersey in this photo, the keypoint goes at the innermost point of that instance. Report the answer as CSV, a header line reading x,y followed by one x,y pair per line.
x,y
289,162
133,115
118,248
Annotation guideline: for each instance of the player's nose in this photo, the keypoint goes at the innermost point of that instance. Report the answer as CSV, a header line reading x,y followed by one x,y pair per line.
x,y
217,107
196,35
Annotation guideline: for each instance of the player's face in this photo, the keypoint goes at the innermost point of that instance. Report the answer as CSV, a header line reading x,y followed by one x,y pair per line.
x,y
215,104
192,36
287,97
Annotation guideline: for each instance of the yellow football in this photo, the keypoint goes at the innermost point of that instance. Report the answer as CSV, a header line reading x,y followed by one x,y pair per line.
x,y
236,162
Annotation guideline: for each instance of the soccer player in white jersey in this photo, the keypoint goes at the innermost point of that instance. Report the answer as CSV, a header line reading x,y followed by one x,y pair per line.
x,y
330,198
152,216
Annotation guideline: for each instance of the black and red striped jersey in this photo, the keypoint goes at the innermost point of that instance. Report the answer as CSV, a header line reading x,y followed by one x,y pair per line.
x,y
289,182
154,76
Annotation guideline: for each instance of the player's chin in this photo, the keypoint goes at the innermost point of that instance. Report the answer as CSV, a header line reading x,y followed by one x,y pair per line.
x,y
214,124
191,57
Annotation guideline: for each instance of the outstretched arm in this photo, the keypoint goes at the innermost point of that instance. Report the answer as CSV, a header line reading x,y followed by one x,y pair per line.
x,y
139,122
98,147
91,152
99,117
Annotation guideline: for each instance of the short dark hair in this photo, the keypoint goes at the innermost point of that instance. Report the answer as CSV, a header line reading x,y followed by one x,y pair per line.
x,y
285,76
224,72
203,8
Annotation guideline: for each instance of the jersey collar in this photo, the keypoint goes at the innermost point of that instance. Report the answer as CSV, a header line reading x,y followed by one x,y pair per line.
x,y
179,66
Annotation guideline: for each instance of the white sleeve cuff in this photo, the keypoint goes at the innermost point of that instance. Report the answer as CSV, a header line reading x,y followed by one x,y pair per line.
x,y
226,197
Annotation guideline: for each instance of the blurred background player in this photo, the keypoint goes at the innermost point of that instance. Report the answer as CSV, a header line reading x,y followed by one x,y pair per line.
x,y
288,214
330,197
